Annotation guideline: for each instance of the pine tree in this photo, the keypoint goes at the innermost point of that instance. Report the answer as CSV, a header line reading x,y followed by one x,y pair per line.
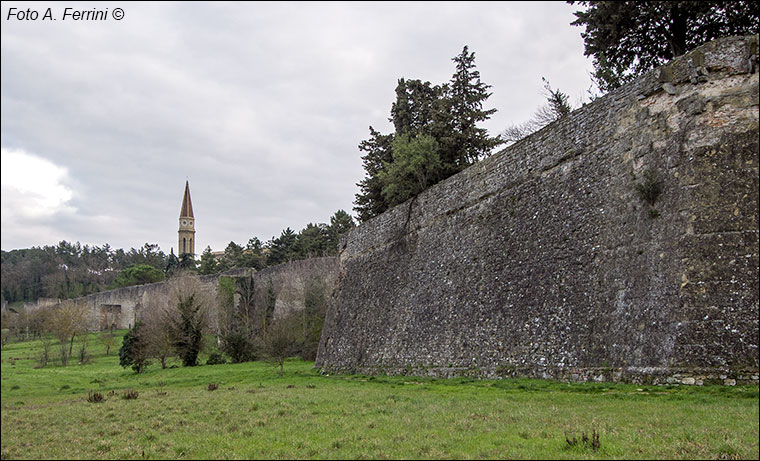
x,y
447,114
208,262
369,201
469,143
628,38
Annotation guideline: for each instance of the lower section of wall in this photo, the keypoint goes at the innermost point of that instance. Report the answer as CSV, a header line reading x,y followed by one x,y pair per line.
x,y
637,375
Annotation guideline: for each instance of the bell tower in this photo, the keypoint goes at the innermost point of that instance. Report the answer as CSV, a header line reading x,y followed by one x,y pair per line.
x,y
186,231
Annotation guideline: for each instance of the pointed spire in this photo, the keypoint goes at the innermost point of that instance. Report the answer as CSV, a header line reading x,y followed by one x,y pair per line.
x,y
187,204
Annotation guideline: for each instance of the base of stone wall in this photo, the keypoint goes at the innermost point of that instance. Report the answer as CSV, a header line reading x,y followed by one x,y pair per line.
x,y
634,375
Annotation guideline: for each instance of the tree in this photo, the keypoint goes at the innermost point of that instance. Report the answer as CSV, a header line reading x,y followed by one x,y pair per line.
x,y
369,201
557,106
138,274
282,248
187,262
313,240
187,317
469,143
135,351
172,264
237,324
108,339
628,38
208,262
315,310
67,321
416,163
449,114
340,223
281,340
253,254
232,257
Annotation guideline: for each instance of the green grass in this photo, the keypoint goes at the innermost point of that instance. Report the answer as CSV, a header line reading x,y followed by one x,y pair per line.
x,y
256,414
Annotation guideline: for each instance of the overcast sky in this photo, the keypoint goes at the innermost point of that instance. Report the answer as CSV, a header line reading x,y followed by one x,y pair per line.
x,y
260,106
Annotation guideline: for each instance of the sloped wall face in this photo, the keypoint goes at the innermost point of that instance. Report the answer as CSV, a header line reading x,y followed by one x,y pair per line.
x,y
543,260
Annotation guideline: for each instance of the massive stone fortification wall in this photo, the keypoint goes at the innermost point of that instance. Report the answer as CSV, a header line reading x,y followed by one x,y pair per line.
x,y
542,260
121,307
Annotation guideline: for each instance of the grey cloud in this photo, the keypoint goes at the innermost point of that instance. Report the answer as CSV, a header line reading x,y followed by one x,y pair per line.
x,y
261,106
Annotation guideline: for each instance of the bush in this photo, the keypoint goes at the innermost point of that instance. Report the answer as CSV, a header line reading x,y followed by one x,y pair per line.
x,y
650,189
216,359
134,350
239,347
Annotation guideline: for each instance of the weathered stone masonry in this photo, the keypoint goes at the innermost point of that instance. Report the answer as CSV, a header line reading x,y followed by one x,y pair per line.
x,y
543,261
123,306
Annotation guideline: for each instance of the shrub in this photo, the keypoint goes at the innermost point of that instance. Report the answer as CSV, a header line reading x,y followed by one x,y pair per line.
x,y
238,347
134,350
216,359
130,394
650,189
95,397
212,387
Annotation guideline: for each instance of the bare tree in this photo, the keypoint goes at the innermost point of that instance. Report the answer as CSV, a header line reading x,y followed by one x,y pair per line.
x,y
557,106
236,312
108,340
156,331
66,322
282,339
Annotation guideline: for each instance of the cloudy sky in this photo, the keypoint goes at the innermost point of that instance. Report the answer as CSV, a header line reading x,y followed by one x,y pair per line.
x,y
260,106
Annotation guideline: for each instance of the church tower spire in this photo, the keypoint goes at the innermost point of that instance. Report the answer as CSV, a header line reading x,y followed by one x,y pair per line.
x,y
186,231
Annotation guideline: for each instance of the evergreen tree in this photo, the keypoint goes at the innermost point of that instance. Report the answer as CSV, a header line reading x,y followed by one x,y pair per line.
x,y
449,114
134,351
628,38
282,248
172,264
208,262
138,274
313,240
369,201
469,142
416,164
340,223
187,262
253,254
232,257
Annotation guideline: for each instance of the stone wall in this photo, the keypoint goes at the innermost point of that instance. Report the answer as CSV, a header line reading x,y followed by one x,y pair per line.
x,y
542,260
121,307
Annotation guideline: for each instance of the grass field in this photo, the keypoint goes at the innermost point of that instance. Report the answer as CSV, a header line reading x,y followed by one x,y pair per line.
x,y
254,413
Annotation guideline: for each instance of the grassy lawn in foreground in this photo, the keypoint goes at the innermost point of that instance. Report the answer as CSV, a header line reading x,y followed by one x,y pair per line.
x,y
253,413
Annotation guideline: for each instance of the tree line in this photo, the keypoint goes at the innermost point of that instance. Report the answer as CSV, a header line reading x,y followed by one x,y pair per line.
x,y
70,270
314,240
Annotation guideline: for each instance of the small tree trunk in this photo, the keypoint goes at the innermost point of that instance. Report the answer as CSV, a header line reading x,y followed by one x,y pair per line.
x,y
71,344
